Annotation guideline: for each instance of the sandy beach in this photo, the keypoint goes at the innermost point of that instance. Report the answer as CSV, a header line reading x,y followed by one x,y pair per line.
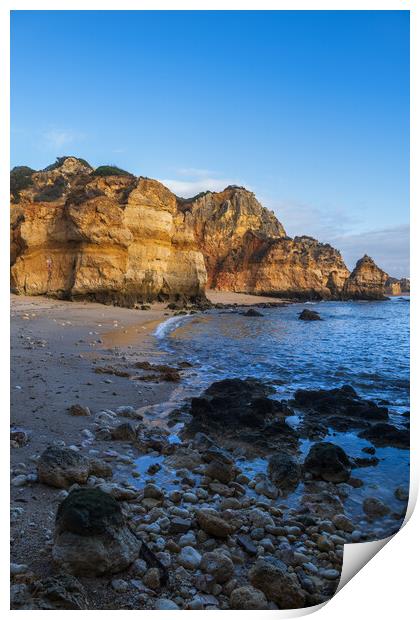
x,y
56,349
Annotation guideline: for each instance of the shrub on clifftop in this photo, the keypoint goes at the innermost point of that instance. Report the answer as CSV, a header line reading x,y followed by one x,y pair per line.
x,y
107,171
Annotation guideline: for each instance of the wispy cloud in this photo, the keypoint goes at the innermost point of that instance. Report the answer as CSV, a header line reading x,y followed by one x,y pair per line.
x,y
188,188
195,172
389,247
323,224
58,138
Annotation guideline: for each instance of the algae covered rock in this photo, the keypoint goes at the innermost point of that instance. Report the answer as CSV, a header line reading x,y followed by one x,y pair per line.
x,y
91,535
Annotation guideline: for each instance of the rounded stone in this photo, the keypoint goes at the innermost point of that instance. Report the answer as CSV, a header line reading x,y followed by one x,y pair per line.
x,y
62,467
248,597
189,558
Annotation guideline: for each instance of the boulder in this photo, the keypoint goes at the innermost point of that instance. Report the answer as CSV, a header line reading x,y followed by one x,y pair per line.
x,y
62,467
91,535
248,597
221,466
271,577
284,471
218,565
328,462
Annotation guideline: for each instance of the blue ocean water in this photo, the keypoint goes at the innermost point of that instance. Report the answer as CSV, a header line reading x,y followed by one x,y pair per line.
x,y
364,344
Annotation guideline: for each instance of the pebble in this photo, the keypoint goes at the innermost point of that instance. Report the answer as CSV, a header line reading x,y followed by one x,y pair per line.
x,y
18,569
189,558
330,574
187,539
119,585
164,604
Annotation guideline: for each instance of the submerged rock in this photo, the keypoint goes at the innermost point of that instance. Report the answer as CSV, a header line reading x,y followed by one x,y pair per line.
x,y
375,508
340,406
62,467
91,535
252,312
309,315
328,462
387,435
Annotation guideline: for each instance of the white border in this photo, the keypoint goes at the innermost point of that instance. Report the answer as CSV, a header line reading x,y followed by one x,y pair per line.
x,y
389,583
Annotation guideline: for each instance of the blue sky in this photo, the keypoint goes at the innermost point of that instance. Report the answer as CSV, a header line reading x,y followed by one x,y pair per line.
x,y
310,110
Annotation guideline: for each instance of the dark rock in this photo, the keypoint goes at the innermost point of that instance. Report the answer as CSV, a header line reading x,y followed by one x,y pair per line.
x,y
284,470
341,407
387,435
328,462
252,312
234,403
309,315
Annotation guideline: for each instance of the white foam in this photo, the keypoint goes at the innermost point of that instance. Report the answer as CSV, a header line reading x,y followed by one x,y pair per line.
x,y
165,328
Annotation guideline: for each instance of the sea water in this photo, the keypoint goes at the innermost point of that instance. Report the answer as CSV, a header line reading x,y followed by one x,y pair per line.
x,y
364,344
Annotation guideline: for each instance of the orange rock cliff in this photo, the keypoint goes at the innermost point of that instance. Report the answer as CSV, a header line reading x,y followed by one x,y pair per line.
x,y
109,236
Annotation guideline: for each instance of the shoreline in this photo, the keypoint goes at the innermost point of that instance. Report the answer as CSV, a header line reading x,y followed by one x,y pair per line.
x,y
107,358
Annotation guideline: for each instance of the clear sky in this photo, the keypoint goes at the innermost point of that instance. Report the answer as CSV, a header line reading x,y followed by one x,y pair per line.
x,y
310,110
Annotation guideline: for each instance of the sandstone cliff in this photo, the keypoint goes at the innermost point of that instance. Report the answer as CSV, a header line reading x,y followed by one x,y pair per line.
x,y
112,238
246,249
108,236
366,281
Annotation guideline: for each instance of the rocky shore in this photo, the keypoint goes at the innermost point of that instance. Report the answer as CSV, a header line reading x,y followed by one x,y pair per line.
x,y
120,504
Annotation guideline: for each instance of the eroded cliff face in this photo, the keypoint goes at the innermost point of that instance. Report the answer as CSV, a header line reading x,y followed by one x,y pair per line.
x,y
109,238
246,250
221,220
